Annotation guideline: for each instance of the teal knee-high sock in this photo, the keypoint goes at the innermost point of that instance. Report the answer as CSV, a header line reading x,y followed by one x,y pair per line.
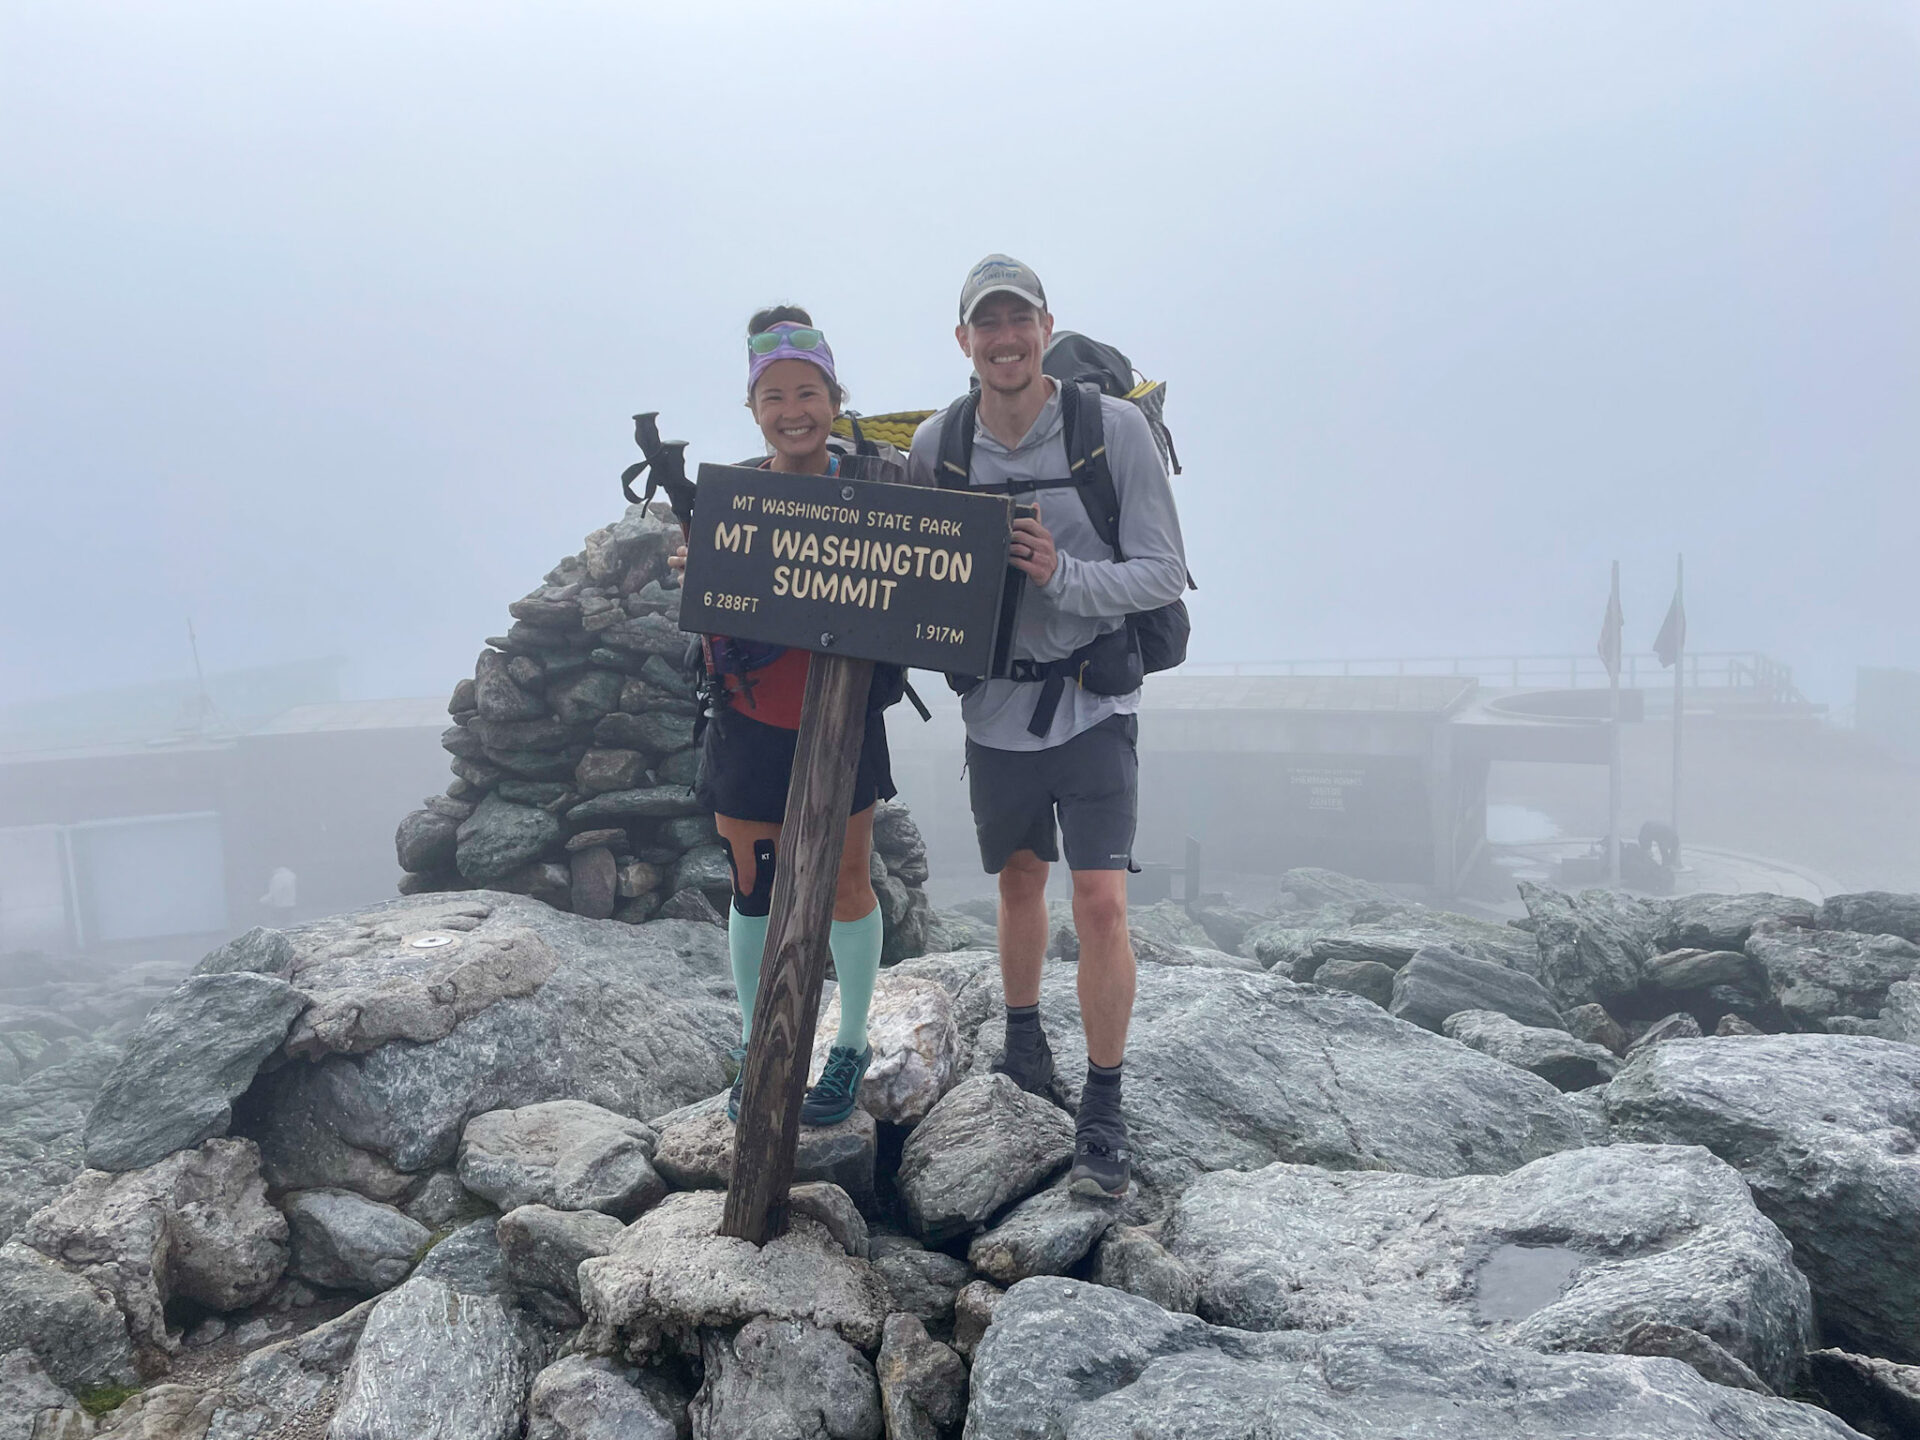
x,y
746,938
856,961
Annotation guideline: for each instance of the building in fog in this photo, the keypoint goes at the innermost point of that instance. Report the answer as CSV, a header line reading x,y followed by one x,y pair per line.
x,y
1886,710
157,821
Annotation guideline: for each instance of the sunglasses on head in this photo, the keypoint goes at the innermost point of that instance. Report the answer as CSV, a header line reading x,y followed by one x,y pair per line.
x,y
768,341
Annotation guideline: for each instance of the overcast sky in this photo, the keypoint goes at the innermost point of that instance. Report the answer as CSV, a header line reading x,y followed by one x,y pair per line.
x,y
323,323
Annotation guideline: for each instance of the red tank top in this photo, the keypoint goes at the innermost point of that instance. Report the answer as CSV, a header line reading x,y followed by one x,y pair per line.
x,y
772,694
776,691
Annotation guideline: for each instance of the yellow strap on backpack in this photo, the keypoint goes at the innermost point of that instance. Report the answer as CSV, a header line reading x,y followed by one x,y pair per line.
x,y
896,427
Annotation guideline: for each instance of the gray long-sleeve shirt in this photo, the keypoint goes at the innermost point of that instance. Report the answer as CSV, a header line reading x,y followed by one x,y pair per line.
x,y
1091,592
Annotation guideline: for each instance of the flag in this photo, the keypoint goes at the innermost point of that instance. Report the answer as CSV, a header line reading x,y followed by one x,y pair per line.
x,y
1672,638
1611,627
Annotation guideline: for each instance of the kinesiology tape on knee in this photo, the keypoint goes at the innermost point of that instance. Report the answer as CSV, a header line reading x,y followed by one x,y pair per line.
x,y
759,900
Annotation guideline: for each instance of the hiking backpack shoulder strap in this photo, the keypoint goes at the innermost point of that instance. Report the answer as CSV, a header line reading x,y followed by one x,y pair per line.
x,y
1086,437
955,463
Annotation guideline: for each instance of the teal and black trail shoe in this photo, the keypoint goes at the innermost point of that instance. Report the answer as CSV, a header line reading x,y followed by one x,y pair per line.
x,y
833,1099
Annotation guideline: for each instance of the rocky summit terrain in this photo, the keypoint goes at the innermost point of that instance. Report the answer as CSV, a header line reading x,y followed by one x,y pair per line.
x,y
451,1168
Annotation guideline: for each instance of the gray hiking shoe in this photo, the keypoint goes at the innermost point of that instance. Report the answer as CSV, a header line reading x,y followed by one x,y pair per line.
x,y
833,1099
1028,1062
1102,1163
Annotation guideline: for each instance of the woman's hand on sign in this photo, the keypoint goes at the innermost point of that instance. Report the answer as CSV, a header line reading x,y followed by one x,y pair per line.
x,y
678,559
1031,551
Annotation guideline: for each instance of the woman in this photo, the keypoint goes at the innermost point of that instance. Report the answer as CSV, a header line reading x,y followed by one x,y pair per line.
x,y
747,758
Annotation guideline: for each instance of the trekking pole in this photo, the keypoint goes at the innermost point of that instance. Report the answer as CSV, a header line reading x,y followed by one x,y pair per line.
x,y
667,462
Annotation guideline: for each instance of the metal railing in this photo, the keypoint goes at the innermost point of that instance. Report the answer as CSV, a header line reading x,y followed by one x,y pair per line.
x,y
1752,675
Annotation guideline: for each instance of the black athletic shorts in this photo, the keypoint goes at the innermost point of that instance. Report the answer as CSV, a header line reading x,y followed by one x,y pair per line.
x,y
746,764
1093,780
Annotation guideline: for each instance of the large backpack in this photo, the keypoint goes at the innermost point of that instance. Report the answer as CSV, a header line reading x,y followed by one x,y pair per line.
x,y
1073,358
1154,639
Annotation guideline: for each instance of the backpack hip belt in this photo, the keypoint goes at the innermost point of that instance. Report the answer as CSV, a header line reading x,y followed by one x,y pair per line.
x,y
1106,665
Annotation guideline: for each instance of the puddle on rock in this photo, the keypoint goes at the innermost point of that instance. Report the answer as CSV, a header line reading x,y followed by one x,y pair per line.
x,y
1516,1280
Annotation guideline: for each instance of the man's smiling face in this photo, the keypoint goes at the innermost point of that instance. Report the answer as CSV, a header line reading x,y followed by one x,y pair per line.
x,y
1006,340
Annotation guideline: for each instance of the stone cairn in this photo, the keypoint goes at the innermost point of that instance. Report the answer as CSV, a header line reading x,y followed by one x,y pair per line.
x,y
574,761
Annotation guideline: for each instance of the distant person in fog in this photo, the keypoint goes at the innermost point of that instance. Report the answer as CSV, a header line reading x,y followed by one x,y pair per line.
x,y
283,894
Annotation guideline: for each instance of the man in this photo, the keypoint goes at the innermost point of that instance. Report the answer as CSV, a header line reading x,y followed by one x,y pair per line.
x,y
1036,744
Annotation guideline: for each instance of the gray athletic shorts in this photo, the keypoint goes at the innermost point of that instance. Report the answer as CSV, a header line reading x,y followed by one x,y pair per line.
x,y
1093,780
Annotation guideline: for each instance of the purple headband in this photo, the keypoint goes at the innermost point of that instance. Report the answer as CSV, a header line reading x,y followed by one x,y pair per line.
x,y
821,354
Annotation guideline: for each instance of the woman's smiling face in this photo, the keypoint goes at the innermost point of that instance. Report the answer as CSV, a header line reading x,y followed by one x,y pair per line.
x,y
794,408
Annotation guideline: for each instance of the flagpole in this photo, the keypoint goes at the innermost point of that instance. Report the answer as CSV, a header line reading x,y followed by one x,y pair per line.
x,y
1679,705
1613,756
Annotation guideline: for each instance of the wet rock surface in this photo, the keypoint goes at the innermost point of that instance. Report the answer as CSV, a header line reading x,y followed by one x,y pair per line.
x,y
543,1248
1132,1259
1822,1129
433,1362
42,1114
1395,940
986,1145
70,1324
568,1154
583,1397
1045,1234
195,1227
1638,1233
1872,912
923,1383
1723,922
289,1383
1536,1260
193,1055
1592,946
1876,1397
1555,1056
671,1273
1820,974
519,1005
469,1260
344,1241
785,1377
1068,1360
1438,983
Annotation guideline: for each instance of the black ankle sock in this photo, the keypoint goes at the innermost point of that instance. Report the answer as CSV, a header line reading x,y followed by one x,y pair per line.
x,y
1023,1019
1103,1084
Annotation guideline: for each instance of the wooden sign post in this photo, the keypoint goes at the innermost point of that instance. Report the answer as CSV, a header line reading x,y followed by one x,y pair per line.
x,y
855,572
794,964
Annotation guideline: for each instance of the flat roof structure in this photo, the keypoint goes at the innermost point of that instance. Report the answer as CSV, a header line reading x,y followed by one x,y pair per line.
x,y
1416,695
403,714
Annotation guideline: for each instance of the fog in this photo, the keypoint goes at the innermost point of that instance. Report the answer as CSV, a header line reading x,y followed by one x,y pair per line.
x,y
324,324
325,321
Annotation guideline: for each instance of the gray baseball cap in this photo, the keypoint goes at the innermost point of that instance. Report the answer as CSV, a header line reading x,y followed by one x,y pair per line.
x,y
997,274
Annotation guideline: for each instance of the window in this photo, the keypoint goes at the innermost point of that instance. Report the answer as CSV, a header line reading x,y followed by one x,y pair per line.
x,y
156,875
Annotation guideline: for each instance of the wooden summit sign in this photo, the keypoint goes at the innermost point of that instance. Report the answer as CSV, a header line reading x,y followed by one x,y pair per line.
x,y
855,571
901,573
